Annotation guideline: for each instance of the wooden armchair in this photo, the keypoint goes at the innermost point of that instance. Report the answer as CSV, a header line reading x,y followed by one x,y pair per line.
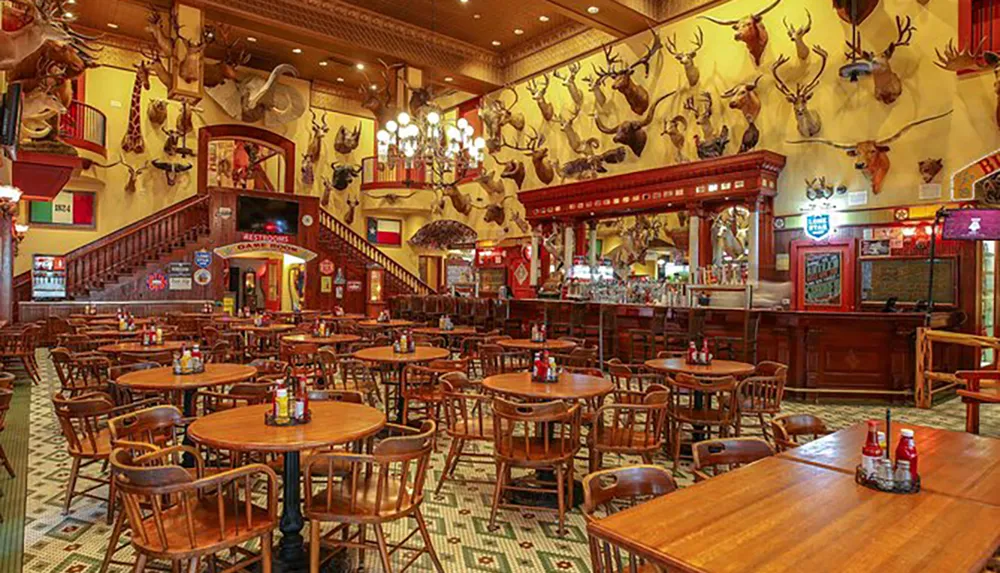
x,y
629,379
712,457
344,372
348,396
981,387
607,491
497,360
788,429
124,395
760,395
6,396
19,345
382,487
219,352
239,394
422,395
702,407
7,380
468,419
161,357
183,519
629,428
535,436
80,373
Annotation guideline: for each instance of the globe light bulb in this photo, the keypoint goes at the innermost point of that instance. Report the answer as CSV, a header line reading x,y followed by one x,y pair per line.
x,y
479,143
382,135
462,123
433,118
391,126
404,118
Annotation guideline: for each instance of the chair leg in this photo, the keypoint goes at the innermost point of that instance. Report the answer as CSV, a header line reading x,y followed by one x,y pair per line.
x,y
451,459
140,563
362,535
383,549
676,441
6,462
194,565
111,497
116,533
427,540
561,497
314,545
74,472
497,493
265,552
972,417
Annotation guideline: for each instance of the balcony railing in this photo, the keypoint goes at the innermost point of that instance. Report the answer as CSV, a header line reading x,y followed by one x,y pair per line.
x,y
84,127
394,175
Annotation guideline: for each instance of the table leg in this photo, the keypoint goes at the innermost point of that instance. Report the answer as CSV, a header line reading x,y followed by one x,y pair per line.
x,y
291,554
187,460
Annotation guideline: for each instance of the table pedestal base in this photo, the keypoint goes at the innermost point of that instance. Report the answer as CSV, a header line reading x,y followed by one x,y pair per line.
x,y
543,499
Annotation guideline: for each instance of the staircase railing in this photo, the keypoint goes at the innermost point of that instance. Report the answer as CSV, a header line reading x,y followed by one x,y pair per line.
x,y
370,252
125,249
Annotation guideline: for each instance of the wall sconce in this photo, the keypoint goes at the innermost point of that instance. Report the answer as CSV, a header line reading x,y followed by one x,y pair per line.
x,y
19,232
9,196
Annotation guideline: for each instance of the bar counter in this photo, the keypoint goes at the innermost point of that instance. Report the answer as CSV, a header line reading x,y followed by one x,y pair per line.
x,y
842,355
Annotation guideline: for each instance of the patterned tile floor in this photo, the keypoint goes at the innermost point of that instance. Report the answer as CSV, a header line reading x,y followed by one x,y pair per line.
x,y
458,517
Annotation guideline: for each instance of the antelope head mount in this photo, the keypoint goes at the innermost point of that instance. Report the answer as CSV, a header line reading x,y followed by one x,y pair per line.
x,y
132,183
577,144
675,129
352,205
544,169
888,86
871,157
492,185
750,30
569,81
513,170
632,133
686,59
538,91
345,142
621,77
319,131
807,121
798,36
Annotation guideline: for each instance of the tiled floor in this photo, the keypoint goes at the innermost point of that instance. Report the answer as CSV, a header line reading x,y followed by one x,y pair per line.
x,y
458,517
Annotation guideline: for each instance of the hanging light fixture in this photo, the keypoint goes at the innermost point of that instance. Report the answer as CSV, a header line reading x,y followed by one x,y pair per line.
x,y
857,67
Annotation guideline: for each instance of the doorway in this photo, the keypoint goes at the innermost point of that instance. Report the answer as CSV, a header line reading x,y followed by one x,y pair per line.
x,y
272,282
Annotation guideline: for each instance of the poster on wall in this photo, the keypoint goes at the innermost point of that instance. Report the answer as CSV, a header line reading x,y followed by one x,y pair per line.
x,y
386,232
203,259
823,279
68,209
202,277
156,281
875,248
179,276
353,286
326,267
325,284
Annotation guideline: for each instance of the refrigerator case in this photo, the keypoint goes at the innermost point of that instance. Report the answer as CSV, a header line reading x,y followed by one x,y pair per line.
x,y
48,277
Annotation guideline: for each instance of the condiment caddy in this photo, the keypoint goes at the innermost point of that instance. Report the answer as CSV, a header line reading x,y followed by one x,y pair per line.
x,y
405,344
877,471
321,329
383,317
701,357
207,308
445,323
189,361
126,322
152,336
289,405
538,333
544,369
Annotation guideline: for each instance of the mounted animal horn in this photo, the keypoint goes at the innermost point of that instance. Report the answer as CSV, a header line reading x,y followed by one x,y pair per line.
x,y
633,133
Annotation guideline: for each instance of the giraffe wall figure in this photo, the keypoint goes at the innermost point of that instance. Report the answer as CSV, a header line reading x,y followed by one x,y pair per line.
x,y
133,141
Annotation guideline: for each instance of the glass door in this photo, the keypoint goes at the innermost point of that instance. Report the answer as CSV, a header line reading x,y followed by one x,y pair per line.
x,y
987,301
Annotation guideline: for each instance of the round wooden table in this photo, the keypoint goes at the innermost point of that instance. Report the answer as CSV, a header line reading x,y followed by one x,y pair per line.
x,y
243,429
716,368
435,331
398,361
395,323
527,344
207,315
91,317
268,329
571,386
337,317
333,339
138,348
164,380
114,322
112,333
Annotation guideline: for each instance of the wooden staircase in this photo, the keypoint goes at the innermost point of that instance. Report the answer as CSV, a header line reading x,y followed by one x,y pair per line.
x,y
353,250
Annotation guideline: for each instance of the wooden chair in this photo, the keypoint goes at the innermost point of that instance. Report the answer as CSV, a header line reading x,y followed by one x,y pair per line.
x,y
382,487
220,351
6,396
161,357
760,395
469,419
454,365
239,394
671,354
7,380
608,491
629,428
497,360
210,335
340,372
703,406
579,357
981,387
422,395
83,422
80,373
348,396
123,395
629,379
18,345
717,456
76,342
183,519
787,429
535,436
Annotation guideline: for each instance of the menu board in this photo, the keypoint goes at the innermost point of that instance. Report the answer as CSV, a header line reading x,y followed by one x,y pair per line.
x,y
491,279
906,279
823,281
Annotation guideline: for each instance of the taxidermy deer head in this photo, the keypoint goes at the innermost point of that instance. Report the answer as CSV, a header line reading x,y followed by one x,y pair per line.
x,y
632,133
544,169
157,112
596,87
343,175
686,59
807,121
675,128
621,78
352,204
379,100
929,169
569,81
419,97
872,156
319,131
495,114
701,109
589,167
537,92
958,60
308,173
491,185
462,202
577,144
47,23
513,170
190,65
888,86
818,189
346,142
798,36
744,98
750,30
233,57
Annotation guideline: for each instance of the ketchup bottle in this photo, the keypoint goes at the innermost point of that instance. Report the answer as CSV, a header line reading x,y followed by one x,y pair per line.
x,y
907,450
871,452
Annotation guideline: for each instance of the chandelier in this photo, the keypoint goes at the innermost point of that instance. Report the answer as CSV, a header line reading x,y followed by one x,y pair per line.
x,y
429,141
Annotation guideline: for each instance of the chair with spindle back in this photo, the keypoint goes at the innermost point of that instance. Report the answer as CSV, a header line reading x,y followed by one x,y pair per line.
x,y
451,365
726,454
80,373
578,357
6,396
177,517
703,407
239,394
671,354
7,380
161,357
349,396
789,428
536,436
608,491
18,344
219,352
382,487
210,335
344,372
301,359
629,428
422,395
124,395
76,342
469,419
760,395
629,379
498,360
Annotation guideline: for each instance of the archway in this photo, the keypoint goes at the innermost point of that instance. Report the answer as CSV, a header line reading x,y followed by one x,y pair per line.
x,y
272,147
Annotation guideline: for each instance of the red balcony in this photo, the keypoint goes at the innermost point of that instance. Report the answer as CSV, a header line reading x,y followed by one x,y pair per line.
x,y
396,175
84,127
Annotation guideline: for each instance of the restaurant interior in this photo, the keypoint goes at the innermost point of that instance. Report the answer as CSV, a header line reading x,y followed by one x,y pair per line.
x,y
608,286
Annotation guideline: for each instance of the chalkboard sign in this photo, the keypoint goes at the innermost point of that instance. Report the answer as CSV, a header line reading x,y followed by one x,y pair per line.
x,y
906,279
823,281
491,279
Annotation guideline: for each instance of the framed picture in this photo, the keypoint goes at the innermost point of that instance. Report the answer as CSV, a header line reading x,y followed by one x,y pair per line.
x,y
71,209
385,232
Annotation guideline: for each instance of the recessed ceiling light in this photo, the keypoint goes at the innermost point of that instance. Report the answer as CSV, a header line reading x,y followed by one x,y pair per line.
x,y
518,31
477,16
112,25
69,15
449,79
296,50
593,10
70,2
543,18
464,1
373,87
495,42
251,39
324,63
359,65
341,80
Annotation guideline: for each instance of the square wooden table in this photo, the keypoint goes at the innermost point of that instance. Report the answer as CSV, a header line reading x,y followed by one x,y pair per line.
x,y
953,463
778,515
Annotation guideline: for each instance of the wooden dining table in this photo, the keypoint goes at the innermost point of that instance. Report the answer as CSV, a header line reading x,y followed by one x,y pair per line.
x,y
273,328
437,331
139,348
958,464
330,339
394,323
715,369
781,515
114,322
92,317
243,430
164,380
528,344
339,317
397,361
568,386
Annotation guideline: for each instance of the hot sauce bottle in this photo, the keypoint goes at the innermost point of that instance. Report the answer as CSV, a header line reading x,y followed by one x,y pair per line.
x,y
871,452
906,450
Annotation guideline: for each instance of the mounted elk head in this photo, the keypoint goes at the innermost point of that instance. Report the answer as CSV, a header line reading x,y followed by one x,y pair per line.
x,y
798,36
537,92
157,112
579,145
189,67
513,170
807,121
233,57
569,82
346,142
675,128
888,86
379,100
343,175
959,60
622,82
686,59
701,108
319,131
632,133
419,97
495,114
47,23
490,184
596,86
872,156
750,30
539,155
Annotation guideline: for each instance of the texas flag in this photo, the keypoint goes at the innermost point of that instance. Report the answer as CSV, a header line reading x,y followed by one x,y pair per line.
x,y
385,231
68,208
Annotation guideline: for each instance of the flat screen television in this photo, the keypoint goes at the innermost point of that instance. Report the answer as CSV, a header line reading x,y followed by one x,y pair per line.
x,y
270,216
